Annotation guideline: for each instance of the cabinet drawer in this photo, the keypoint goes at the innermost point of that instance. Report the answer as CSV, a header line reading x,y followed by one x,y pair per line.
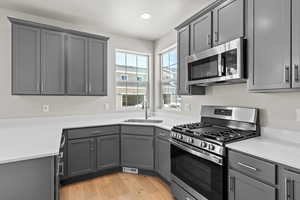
x,y
162,133
254,167
180,193
93,131
137,130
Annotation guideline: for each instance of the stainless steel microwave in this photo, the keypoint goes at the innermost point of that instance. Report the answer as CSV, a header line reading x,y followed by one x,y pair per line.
x,y
223,64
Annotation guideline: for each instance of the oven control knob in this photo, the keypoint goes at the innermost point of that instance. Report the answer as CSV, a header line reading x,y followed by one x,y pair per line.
x,y
203,144
211,147
189,140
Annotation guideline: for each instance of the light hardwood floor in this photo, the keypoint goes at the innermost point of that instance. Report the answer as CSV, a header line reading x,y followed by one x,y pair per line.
x,y
119,186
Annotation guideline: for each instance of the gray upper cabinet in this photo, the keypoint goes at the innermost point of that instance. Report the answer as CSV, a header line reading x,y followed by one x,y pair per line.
x,y
81,156
26,60
48,60
108,151
52,63
77,65
269,44
290,185
183,37
242,187
228,21
201,30
296,44
137,151
97,71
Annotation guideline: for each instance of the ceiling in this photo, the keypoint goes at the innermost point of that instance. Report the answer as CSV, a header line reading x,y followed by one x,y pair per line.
x,y
115,16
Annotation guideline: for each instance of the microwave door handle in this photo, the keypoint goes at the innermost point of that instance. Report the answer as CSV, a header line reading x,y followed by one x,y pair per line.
x,y
220,66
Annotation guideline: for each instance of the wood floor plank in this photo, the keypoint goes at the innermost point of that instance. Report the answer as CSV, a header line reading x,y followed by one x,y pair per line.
x,y
119,186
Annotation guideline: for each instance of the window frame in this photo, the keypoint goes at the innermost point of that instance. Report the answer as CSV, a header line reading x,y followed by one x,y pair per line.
x,y
148,84
162,105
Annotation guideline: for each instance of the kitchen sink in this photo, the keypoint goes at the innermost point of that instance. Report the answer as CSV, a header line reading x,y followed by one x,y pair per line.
x,y
144,121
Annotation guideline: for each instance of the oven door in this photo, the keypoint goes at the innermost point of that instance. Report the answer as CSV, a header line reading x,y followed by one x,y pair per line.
x,y
202,172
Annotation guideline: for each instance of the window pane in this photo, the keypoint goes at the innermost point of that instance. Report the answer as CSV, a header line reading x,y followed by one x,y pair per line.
x,y
142,61
169,96
173,57
131,60
131,80
120,58
165,60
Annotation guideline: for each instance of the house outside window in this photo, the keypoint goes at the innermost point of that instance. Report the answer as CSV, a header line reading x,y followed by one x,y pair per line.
x,y
168,66
131,80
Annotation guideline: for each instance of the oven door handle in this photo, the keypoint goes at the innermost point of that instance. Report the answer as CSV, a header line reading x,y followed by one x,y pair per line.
x,y
197,152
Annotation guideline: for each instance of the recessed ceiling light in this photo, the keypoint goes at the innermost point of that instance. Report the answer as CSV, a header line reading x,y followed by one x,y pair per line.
x,y
146,16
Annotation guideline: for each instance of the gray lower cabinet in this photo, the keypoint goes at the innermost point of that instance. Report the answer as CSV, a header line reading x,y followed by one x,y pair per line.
x,y
269,24
28,180
52,63
201,30
77,63
228,20
26,60
97,67
162,158
290,184
81,156
242,187
137,151
108,151
183,50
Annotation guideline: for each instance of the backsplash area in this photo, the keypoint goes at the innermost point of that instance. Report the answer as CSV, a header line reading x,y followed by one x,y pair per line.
x,y
278,110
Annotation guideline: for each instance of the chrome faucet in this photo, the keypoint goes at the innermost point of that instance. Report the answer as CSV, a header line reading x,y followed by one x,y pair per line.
x,y
146,109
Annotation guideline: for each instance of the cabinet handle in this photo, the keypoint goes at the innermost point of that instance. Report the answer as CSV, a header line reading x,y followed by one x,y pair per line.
x,y
188,198
287,73
209,40
61,169
63,141
96,132
216,37
231,184
296,73
247,166
289,189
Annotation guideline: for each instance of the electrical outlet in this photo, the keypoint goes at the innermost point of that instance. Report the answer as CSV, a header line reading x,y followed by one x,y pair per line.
x,y
298,115
46,108
187,107
106,106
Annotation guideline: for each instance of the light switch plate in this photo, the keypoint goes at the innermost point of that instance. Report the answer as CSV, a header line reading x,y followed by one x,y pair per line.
x,y
187,107
298,115
106,106
46,108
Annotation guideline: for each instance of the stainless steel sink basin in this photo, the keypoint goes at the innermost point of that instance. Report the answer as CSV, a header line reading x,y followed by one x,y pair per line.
x,y
144,121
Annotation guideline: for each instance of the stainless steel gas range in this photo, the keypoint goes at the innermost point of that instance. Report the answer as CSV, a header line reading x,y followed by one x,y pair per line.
x,y
198,152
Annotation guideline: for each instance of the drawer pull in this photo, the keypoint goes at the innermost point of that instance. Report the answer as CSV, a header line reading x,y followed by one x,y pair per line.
x,y
162,134
188,198
247,166
96,132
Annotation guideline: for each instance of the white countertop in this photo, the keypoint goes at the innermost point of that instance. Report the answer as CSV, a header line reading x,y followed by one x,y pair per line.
x,y
280,146
30,138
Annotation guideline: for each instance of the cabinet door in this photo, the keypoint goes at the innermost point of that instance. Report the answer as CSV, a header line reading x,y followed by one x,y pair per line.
x,y
81,156
97,67
201,30
76,65
291,185
296,44
53,63
26,60
183,50
228,21
162,158
269,44
108,151
137,151
242,187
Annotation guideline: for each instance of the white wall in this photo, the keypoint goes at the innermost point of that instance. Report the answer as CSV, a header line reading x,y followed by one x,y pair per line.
x,y
30,106
278,110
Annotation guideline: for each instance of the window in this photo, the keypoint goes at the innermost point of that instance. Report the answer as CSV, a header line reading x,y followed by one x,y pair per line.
x,y
132,80
169,97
